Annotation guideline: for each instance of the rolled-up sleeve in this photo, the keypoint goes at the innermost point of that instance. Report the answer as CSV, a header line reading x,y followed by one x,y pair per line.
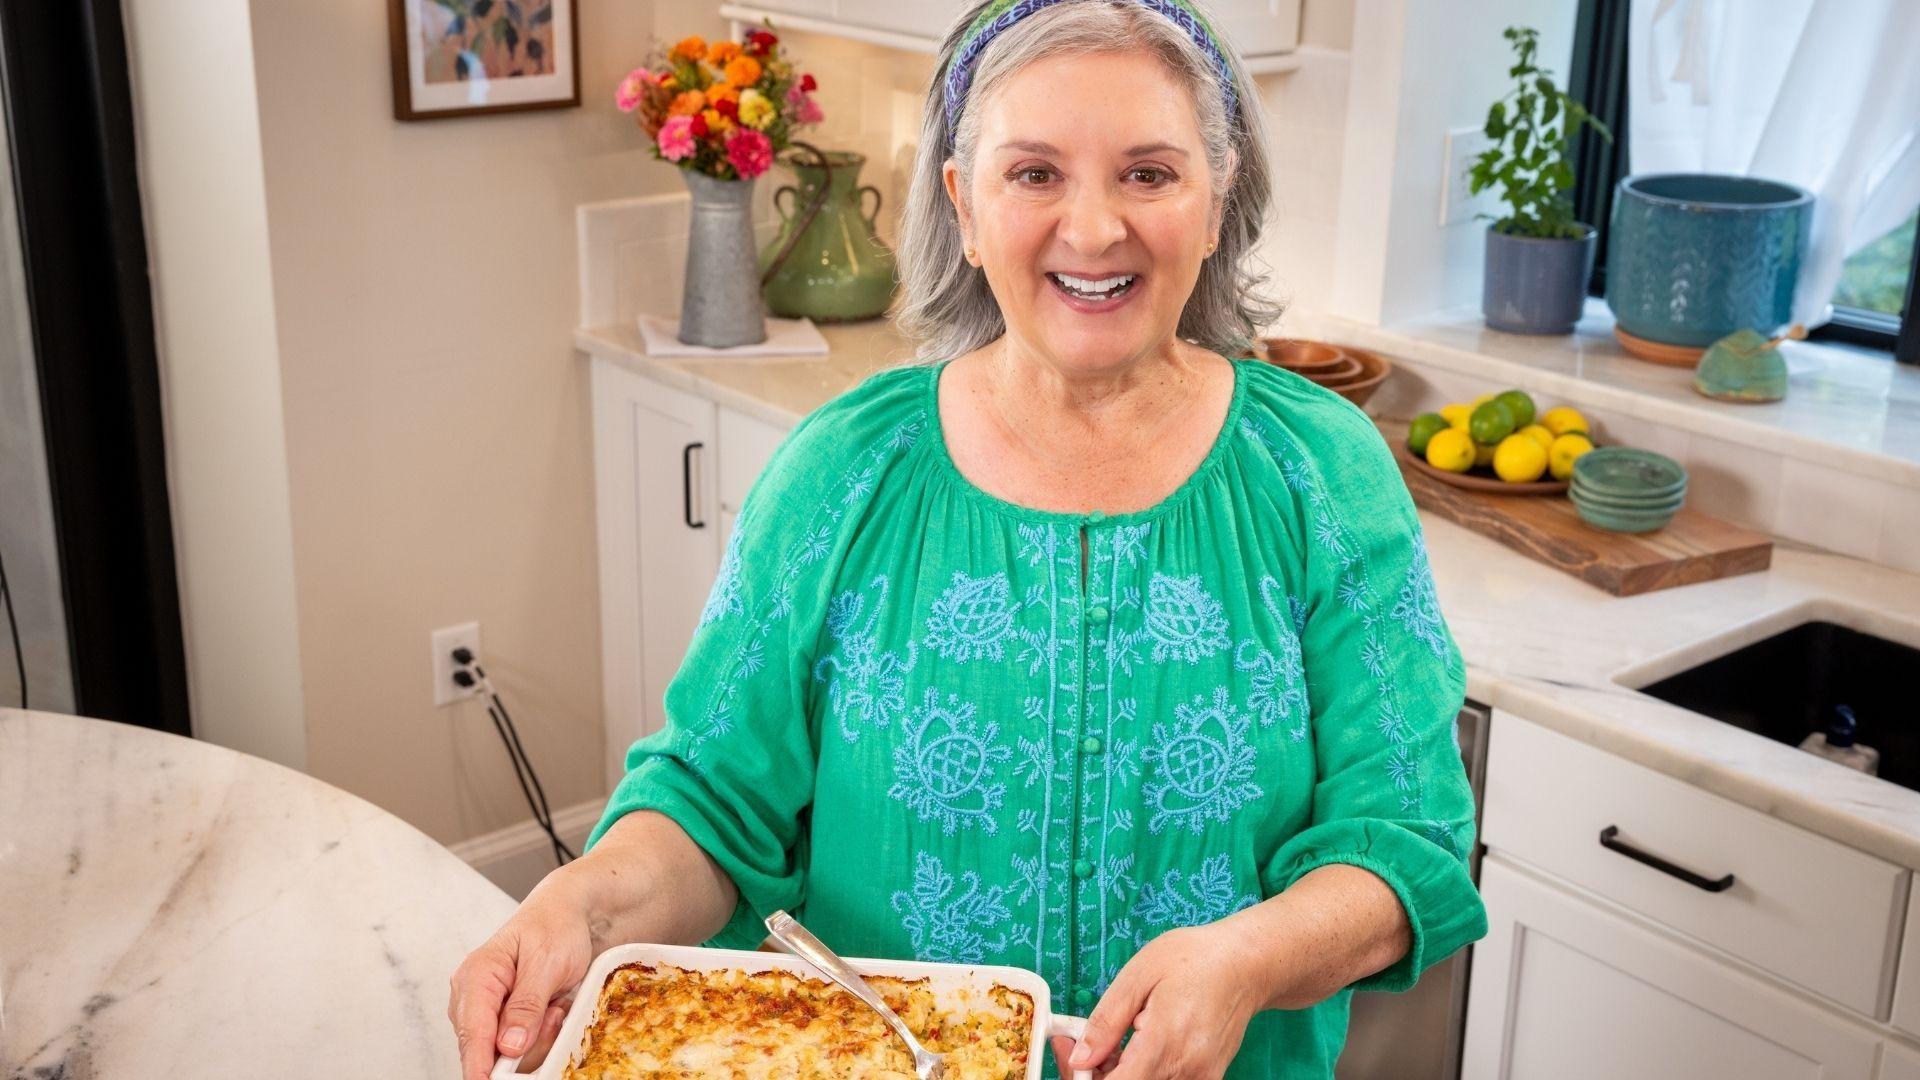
x,y
734,764
1385,682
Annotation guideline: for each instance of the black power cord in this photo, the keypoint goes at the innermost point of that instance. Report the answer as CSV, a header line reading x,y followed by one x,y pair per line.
x,y
470,675
13,630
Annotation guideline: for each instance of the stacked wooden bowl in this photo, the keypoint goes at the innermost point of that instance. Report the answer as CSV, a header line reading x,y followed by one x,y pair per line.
x,y
1351,372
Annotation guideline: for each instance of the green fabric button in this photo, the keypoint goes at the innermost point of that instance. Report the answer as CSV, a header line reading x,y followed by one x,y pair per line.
x,y
1098,613
1090,744
1083,999
1082,869
1093,517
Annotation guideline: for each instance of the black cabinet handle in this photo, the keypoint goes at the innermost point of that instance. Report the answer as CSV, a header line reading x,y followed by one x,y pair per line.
x,y
686,485
1609,839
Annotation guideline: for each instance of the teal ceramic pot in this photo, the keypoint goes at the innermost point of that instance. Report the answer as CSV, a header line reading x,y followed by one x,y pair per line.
x,y
1692,257
838,271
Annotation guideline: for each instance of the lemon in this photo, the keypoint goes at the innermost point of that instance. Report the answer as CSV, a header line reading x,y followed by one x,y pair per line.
x,y
1490,423
1565,450
1482,455
1564,419
1423,429
1519,458
1538,434
1457,414
1450,449
1519,404
1483,399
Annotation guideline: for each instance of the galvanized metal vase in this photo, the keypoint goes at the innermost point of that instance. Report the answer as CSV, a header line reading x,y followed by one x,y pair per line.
x,y
720,306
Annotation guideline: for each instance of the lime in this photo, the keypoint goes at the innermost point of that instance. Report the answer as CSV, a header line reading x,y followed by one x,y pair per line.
x,y
1520,405
1423,428
1450,449
1565,450
1519,459
1490,423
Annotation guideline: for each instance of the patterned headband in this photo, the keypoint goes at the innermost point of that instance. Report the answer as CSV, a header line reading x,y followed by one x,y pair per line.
x,y
1004,13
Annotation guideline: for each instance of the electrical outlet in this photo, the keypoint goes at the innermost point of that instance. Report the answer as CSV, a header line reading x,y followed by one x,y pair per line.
x,y
1457,202
445,640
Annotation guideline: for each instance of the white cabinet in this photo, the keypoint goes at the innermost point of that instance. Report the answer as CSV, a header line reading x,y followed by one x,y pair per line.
x,y
1576,989
1899,1063
671,470
1260,29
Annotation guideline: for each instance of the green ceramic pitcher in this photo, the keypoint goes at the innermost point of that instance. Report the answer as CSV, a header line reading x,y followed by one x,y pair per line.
x,y
838,270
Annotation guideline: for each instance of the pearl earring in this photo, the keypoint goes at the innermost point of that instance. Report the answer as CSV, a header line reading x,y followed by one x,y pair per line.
x,y
970,255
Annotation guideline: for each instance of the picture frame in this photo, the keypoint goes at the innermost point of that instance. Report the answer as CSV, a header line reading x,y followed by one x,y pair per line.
x,y
475,57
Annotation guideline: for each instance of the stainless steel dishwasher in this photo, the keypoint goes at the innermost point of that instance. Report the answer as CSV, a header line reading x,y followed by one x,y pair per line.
x,y
1416,1035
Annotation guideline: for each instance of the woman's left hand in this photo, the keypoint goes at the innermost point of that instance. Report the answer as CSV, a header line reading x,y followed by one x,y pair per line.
x,y
1187,996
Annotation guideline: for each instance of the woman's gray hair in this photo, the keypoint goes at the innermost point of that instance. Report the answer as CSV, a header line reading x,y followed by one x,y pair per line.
x,y
949,309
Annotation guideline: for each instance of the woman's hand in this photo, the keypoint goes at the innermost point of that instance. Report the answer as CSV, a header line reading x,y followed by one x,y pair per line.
x,y
504,992
1187,996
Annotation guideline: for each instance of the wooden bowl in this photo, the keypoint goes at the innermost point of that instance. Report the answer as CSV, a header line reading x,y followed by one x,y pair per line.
x,y
1374,370
1308,358
1479,480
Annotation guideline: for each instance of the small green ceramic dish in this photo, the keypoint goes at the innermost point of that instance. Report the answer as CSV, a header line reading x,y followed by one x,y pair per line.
x,y
1627,472
1617,520
1667,501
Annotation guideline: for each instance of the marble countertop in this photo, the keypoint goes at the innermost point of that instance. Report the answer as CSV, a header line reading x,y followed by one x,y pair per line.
x,y
172,908
1539,643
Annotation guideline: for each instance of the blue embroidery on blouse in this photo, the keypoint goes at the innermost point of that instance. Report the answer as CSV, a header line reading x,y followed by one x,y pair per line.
x,y
1419,608
1183,619
1205,896
944,767
949,928
973,618
1279,690
1202,765
866,686
724,598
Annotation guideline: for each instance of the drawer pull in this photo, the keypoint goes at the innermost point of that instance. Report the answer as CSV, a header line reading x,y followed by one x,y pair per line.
x,y
686,485
1609,839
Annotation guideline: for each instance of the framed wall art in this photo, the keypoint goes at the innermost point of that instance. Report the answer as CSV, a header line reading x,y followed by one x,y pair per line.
x,y
469,57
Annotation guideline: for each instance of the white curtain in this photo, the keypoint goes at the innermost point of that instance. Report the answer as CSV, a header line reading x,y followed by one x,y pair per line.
x,y
1824,94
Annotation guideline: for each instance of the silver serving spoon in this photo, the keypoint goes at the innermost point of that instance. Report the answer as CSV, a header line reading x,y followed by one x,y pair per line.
x,y
797,940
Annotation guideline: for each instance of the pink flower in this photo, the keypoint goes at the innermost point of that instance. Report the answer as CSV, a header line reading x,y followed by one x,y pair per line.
x,y
805,109
676,137
628,95
750,152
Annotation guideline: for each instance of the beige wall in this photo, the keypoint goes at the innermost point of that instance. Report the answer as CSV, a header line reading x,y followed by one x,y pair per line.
x,y
437,431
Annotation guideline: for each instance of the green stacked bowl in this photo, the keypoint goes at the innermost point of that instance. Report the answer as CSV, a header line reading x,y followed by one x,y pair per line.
x,y
1621,489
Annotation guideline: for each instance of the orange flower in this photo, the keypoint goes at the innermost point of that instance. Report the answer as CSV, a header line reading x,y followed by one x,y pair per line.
x,y
690,48
743,71
686,103
720,52
716,122
720,92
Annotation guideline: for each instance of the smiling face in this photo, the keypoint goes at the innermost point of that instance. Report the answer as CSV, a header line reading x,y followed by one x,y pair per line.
x,y
1089,208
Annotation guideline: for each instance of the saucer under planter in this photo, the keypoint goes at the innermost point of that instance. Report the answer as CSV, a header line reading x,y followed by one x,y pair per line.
x,y
1536,285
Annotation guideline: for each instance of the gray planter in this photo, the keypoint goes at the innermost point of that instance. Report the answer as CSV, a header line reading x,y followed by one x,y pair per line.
x,y
1533,285
720,306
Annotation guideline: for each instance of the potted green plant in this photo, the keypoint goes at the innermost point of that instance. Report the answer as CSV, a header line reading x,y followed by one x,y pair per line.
x,y
1538,256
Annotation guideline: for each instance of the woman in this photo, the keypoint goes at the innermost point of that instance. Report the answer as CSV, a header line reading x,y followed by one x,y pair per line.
x,y
1082,647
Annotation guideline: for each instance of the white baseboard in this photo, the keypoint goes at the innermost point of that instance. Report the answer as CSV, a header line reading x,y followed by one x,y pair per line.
x,y
517,857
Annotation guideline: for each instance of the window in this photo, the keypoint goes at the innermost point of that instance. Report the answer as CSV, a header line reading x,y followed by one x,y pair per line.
x,y
1878,283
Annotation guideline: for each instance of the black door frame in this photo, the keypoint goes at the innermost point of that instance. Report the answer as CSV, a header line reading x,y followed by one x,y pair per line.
x,y
69,110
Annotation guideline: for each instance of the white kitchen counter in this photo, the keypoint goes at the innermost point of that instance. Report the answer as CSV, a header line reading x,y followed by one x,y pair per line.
x,y
171,908
1538,642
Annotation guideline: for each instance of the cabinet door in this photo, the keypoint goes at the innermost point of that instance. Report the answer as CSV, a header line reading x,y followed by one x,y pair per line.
x,y
1259,27
1899,1063
1570,987
654,449
747,443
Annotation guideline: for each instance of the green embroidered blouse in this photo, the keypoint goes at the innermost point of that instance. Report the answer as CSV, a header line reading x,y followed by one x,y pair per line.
x,y
918,717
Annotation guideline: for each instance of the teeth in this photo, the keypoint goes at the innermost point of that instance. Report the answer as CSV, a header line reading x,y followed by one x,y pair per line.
x,y
1093,288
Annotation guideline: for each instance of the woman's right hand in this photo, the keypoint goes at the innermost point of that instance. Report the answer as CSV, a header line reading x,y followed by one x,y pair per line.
x,y
504,992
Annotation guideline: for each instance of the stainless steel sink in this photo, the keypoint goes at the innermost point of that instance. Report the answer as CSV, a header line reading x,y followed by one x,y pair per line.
x,y
1782,676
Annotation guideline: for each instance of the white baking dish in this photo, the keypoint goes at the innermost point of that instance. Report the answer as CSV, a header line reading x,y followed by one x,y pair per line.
x,y
946,980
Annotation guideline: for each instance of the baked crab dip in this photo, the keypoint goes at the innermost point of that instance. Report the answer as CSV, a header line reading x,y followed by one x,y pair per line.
x,y
657,1020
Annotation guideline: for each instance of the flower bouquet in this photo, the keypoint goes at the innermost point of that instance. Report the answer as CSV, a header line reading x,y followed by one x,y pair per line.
x,y
720,112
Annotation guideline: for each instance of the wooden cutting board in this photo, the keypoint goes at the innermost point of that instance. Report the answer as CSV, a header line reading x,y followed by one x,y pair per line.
x,y
1692,547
